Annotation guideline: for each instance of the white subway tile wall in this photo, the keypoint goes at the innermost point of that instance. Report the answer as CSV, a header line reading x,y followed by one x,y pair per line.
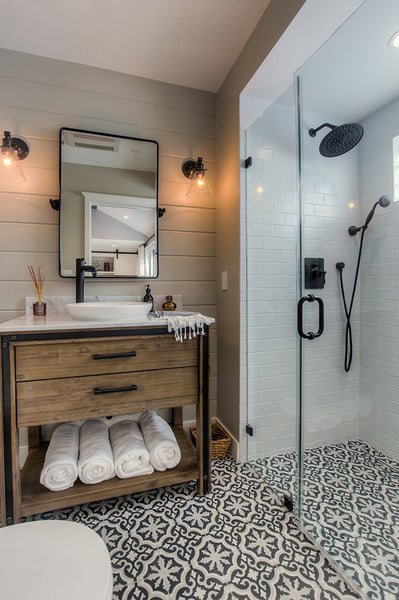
x,y
379,279
271,280
328,187
331,396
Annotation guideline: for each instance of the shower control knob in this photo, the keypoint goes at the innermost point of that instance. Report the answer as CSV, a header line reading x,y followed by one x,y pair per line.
x,y
315,275
318,273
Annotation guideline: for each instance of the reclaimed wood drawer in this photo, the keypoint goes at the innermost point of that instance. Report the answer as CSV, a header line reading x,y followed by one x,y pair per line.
x,y
74,398
59,359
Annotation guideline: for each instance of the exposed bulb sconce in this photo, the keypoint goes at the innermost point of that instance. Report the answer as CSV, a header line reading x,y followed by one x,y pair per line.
x,y
195,171
12,151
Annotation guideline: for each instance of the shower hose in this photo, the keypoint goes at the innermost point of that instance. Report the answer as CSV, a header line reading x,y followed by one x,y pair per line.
x,y
348,312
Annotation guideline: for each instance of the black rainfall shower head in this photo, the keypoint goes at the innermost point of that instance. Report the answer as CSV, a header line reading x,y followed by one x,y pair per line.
x,y
340,139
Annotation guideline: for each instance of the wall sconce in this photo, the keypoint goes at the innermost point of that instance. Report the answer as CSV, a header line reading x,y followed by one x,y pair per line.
x,y
195,171
13,150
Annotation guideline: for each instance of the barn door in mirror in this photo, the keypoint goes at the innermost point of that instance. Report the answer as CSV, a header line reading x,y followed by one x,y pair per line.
x,y
109,204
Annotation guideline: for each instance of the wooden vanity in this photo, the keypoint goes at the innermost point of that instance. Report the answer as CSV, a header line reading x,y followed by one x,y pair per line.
x,y
52,376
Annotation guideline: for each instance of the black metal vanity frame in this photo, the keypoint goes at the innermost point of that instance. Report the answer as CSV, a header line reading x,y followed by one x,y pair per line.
x,y
8,338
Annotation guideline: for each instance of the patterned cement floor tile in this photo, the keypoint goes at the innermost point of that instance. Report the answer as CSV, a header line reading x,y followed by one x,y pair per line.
x,y
351,507
237,543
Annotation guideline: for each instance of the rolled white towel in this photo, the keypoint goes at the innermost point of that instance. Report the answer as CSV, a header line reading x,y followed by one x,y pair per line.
x,y
131,456
109,421
96,462
160,441
60,469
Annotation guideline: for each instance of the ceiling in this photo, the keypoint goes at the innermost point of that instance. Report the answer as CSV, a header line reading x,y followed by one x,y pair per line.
x,y
355,72
188,44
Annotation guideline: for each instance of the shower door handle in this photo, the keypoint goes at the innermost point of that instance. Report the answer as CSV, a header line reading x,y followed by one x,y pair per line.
x,y
311,335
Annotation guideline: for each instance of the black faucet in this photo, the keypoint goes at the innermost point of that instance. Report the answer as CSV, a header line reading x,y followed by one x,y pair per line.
x,y
81,268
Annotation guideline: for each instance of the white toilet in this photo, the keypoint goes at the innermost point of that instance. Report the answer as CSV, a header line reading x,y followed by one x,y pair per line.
x,y
48,560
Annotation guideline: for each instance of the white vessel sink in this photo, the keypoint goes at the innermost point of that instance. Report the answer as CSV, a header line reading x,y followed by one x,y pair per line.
x,y
109,311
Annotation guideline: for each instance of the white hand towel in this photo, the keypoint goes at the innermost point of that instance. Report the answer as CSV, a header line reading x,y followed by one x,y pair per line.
x,y
60,469
187,324
160,441
131,456
96,462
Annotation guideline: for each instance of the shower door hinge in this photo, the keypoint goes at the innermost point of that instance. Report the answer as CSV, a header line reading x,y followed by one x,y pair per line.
x,y
288,503
249,429
248,162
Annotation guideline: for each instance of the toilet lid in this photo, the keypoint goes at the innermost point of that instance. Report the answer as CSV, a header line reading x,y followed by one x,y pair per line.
x,y
43,560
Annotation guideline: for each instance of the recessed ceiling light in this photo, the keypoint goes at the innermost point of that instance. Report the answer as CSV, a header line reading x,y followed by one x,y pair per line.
x,y
125,217
394,40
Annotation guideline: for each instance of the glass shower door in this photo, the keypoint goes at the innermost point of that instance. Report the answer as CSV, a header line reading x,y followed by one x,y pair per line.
x,y
325,437
350,491
273,346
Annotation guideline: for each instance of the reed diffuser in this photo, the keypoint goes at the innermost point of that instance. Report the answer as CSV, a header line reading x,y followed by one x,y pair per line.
x,y
38,277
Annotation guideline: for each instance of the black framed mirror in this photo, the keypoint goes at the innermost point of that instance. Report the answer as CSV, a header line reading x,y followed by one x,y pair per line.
x,y
108,204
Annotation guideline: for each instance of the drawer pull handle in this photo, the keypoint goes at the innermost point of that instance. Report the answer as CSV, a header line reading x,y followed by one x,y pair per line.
x,y
117,355
126,388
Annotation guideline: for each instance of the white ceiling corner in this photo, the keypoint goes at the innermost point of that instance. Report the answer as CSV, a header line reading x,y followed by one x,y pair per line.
x,y
189,44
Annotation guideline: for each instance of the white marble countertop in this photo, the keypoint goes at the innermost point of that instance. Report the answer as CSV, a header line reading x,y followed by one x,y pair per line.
x,y
58,318
66,322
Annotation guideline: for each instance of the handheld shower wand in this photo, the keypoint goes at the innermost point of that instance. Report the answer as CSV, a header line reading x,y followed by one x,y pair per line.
x,y
383,201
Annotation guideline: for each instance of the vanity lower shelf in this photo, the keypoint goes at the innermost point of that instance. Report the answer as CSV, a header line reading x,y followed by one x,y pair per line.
x,y
55,376
35,498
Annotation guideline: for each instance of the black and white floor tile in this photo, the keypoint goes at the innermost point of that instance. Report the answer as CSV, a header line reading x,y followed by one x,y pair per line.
x,y
237,543
350,507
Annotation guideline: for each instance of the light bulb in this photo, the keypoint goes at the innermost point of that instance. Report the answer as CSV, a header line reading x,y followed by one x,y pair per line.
x,y
394,40
12,151
200,181
351,205
259,189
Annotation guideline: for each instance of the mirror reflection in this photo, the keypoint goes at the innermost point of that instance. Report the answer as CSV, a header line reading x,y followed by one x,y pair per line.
x,y
109,204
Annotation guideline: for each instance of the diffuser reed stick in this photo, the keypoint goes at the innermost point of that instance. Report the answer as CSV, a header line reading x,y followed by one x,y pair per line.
x,y
38,278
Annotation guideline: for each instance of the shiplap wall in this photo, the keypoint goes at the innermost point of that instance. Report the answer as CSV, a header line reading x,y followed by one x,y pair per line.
x,y
41,95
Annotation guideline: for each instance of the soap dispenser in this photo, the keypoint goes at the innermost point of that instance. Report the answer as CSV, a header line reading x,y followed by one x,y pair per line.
x,y
148,297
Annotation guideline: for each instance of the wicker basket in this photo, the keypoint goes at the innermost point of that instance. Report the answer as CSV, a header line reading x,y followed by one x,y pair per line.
x,y
220,441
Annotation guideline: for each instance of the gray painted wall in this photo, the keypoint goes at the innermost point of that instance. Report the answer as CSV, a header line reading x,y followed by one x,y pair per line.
x,y
41,95
273,23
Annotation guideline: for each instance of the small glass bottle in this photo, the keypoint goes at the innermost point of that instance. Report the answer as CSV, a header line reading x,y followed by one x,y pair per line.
x,y
169,305
39,308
